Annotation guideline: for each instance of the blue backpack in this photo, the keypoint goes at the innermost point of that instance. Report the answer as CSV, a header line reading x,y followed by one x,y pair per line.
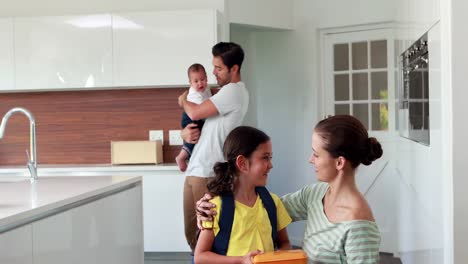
x,y
221,242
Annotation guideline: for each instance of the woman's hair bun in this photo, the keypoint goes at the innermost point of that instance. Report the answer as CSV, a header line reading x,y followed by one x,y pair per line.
x,y
374,151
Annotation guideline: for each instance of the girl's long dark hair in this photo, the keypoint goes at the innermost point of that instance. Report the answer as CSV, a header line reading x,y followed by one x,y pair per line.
x,y
243,140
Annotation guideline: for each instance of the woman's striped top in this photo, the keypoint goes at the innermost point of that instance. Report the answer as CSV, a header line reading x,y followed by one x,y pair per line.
x,y
350,242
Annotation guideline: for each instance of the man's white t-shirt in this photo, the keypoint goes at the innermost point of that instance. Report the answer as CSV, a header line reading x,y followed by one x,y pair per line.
x,y
232,102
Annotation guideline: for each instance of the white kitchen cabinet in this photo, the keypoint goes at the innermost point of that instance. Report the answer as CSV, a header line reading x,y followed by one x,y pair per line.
x,y
108,230
60,52
156,48
103,50
163,212
16,246
6,54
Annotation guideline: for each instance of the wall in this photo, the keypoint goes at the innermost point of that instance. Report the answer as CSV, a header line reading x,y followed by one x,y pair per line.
x,y
337,13
68,7
457,41
98,116
242,36
447,123
287,81
425,212
279,108
288,72
422,179
261,13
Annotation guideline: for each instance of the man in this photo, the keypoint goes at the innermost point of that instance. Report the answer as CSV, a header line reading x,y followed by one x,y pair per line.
x,y
223,112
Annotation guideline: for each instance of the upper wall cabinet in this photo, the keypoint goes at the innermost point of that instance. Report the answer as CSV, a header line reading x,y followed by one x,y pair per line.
x,y
63,52
156,48
6,54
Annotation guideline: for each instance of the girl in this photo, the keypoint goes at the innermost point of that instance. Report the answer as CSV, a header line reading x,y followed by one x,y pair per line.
x,y
247,152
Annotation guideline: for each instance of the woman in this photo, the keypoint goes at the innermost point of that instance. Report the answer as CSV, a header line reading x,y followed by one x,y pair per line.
x,y
340,227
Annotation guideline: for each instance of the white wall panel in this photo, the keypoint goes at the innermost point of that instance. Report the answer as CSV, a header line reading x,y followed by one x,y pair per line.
x,y
424,13
243,36
459,58
263,13
422,193
6,54
337,13
418,16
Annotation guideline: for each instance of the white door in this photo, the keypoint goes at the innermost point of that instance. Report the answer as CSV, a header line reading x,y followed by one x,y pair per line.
x,y
359,79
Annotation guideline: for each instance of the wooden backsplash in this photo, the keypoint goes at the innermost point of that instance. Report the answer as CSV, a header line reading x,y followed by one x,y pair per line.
x,y
76,127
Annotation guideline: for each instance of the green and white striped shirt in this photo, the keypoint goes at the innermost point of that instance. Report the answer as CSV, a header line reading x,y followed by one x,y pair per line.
x,y
350,242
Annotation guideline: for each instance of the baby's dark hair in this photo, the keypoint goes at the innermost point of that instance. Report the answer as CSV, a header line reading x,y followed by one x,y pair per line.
x,y
243,140
196,67
346,136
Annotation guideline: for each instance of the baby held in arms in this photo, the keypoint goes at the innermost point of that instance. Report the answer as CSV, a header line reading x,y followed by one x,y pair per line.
x,y
198,92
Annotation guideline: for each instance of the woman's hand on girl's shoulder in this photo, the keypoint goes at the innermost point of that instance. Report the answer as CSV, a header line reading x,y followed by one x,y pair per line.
x,y
203,209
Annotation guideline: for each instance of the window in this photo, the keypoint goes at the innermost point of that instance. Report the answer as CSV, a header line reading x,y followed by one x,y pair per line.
x,y
359,77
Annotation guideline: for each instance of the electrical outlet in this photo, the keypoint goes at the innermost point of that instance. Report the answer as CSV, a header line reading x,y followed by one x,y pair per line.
x,y
155,135
174,138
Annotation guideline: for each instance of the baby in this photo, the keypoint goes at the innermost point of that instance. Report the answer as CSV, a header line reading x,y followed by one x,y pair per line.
x,y
198,93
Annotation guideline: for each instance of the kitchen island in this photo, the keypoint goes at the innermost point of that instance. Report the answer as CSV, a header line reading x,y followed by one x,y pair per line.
x,y
162,192
95,219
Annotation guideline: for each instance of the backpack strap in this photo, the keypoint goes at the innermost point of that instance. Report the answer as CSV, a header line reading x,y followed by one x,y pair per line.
x,y
270,207
226,218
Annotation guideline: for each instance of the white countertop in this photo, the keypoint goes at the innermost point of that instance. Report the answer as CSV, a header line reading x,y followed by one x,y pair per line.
x,y
22,201
77,168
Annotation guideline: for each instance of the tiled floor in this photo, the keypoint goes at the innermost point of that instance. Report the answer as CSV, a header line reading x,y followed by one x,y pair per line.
x,y
184,258
166,257
386,258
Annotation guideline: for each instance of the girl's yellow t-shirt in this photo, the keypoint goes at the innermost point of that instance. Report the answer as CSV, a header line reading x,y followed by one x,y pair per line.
x,y
251,228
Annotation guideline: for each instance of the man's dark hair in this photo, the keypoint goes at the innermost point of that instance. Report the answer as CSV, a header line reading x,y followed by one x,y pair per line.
x,y
230,52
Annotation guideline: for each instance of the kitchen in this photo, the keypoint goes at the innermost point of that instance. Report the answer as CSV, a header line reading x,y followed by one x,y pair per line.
x,y
283,66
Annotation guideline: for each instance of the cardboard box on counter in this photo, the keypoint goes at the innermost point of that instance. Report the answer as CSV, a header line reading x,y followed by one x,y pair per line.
x,y
136,152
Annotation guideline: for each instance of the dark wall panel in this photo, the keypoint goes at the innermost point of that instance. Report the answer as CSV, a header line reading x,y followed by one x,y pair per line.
x,y
76,127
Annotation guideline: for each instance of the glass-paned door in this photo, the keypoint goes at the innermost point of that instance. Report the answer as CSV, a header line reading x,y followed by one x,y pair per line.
x,y
359,77
359,80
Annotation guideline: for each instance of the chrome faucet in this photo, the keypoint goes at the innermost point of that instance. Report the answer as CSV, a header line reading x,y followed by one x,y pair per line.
x,y
32,158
